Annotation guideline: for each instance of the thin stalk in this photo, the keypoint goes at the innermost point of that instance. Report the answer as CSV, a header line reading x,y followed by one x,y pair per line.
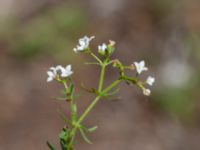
x,y
71,101
73,113
95,101
95,57
65,85
101,80
111,86
91,106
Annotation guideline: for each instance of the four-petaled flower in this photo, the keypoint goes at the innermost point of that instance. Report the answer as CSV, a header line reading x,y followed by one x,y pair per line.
x,y
140,66
102,47
65,72
58,71
150,80
83,44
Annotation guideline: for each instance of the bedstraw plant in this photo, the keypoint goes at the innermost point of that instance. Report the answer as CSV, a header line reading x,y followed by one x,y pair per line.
x,y
63,75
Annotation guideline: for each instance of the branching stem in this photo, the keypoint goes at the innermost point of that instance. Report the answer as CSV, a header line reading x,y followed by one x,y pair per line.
x,y
95,101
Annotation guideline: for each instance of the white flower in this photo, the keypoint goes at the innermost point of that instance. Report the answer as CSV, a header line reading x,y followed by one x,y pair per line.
x,y
83,44
150,80
65,72
102,48
146,92
140,67
58,71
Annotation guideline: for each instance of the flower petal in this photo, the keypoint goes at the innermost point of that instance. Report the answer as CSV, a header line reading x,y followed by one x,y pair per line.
x,y
68,67
50,74
49,79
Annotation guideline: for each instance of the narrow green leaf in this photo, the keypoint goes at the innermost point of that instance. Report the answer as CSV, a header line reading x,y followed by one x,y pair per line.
x,y
112,99
63,134
92,63
92,129
91,90
112,93
50,146
61,98
71,89
84,136
62,144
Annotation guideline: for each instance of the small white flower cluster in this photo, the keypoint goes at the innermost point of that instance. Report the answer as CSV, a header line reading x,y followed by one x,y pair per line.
x,y
102,48
140,67
59,71
83,44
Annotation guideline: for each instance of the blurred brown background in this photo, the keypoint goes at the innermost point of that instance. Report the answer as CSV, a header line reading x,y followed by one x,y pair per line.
x,y
35,35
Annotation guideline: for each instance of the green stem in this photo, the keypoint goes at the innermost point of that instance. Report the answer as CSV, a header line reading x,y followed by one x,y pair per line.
x,y
126,78
95,57
74,130
111,86
65,85
101,78
90,107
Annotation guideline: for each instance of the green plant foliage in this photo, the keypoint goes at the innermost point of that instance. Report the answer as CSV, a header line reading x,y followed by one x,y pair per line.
x,y
53,29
